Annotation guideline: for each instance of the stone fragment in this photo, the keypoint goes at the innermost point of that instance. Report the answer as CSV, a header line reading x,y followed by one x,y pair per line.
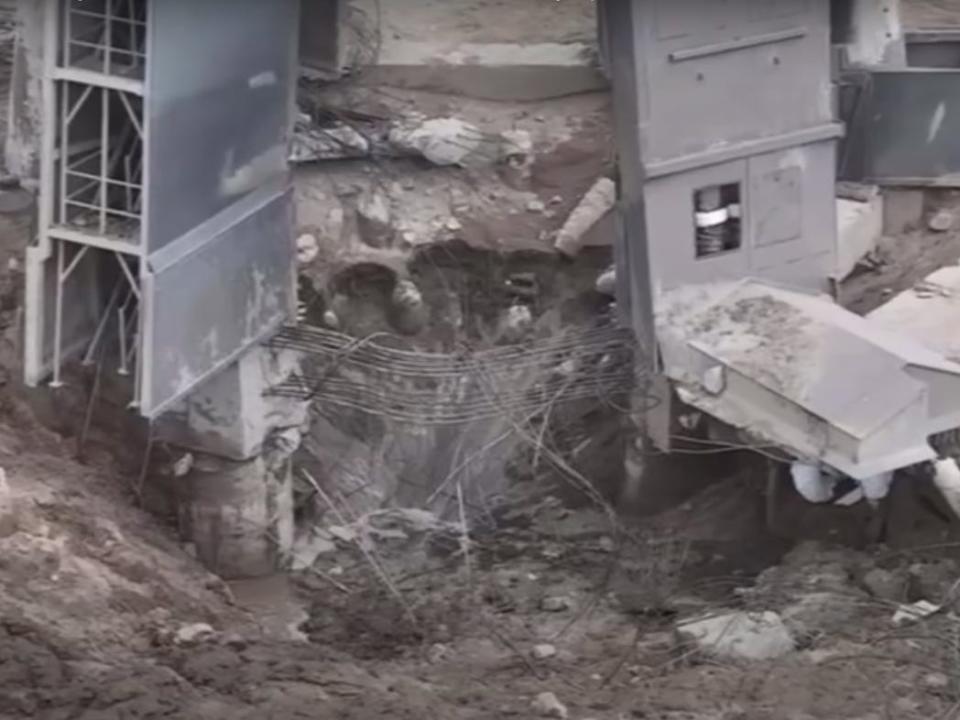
x,y
884,584
555,604
308,248
598,201
740,636
193,634
548,705
536,206
544,651
941,221
607,283
374,220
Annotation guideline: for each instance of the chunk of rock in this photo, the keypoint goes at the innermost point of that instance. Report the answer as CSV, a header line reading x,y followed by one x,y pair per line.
x,y
443,141
598,201
374,220
607,282
555,604
740,636
821,612
409,309
941,221
548,705
885,585
544,651
193,634
308,248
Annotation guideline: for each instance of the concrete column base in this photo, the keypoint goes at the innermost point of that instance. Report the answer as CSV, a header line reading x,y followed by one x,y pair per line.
x,y
239,516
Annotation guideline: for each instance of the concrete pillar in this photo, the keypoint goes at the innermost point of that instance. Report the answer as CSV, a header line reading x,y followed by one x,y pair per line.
x,y
877,37
22,145
236,503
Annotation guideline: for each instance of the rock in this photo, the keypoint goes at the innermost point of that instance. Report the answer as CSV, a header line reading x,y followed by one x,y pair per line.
x,y
941,221
437,653
598,201
515,324
914,612
453,225
740,636
373,219
307,549
308,248
555,604
516,147
409,310
548,705
193,634
543,651
607,283
885,585
936,681
442,141
536,206
933,580
821,612
331,320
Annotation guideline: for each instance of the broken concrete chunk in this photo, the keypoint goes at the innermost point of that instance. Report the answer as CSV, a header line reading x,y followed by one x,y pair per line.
x,y
555,604
444,142
516,147
598,201
373,219
740,636
543,651
307,549
192,634
915,611
409,310
941,221
548,705
607,282
308,248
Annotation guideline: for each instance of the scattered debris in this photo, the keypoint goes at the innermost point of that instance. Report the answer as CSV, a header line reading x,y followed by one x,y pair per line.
x,y
598,201
308,248
339,141
915,611
445,141
740,635
548,705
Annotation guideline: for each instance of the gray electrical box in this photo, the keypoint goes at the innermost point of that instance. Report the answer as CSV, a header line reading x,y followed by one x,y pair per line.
x,y
730,108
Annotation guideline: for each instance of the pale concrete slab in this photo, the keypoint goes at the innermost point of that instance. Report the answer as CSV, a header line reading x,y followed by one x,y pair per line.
x,y
859,229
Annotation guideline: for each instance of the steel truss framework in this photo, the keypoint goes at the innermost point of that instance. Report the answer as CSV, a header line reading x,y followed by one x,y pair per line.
x,y
135,210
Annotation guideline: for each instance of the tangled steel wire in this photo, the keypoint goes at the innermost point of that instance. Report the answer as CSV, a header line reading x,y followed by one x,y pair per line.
x,y
450,388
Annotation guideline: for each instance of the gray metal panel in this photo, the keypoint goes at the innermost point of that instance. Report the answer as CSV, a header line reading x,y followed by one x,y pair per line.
x,y
321,23
908,123
218,94
210,306
721,73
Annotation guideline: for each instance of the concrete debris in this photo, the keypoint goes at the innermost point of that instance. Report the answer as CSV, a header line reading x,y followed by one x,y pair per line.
x,y
915,611
437,653
536,206
373,218
445,142
607,282
859,229
936,681
516,148
307,549
183,466
331,320
193,634
544,651
453,225
555,604
409,308
548,705
822,612
598,201
946,477
344,534
308,248
516,323
740,636
334,142
856,191
885,585
941,221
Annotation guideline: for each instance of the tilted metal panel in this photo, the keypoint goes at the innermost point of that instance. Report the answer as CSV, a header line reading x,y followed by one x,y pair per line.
x,y
208,307
907,125
220,74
